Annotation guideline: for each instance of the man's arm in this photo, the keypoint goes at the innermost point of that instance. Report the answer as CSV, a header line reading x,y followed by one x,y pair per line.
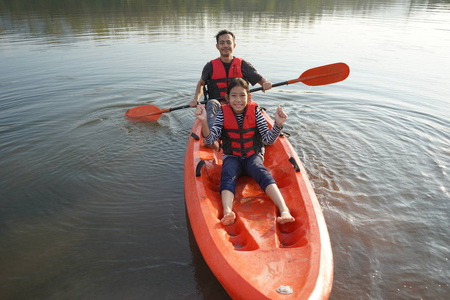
x,y
206,75
198,92
251,74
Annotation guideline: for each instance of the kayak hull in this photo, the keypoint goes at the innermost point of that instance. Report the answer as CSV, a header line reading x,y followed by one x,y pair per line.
x,y
256,256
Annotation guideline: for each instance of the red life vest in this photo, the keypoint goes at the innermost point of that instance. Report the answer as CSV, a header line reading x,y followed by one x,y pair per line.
x,y
237,140
218,83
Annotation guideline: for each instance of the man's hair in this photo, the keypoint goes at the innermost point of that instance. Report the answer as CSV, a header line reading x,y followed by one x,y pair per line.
x,y
222,32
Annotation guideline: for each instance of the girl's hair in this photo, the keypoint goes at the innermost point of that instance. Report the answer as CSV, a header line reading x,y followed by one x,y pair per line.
x,y
238,82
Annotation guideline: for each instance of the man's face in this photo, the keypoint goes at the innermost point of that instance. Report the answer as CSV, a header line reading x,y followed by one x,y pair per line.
x,y
226,45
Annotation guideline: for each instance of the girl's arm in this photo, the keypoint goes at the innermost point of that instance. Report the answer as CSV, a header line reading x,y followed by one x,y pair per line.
x,y
280,116
200,114
210,134
269,137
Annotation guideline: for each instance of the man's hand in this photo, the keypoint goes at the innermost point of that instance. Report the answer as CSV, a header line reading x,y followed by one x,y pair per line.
x,y
266,84
193,103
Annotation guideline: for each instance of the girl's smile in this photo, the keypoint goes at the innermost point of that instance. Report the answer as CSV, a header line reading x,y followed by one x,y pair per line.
x,y
238,99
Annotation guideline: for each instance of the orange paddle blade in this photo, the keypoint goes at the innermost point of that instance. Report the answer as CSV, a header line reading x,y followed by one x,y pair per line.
x,y
144,113
324,75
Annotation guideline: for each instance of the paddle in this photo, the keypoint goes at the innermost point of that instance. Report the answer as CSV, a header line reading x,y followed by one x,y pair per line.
x,y
313,77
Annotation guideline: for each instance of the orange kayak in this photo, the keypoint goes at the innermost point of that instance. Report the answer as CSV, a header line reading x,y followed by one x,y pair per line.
x,y
257,258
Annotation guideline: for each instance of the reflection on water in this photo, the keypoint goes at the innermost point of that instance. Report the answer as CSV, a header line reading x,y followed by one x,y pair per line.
x,y
61,21
92,206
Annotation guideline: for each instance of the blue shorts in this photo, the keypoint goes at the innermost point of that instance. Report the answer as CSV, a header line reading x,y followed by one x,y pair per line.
x,y
234,166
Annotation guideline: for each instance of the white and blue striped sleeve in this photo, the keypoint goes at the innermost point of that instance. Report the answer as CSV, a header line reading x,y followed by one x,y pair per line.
x,y
268,136
216,130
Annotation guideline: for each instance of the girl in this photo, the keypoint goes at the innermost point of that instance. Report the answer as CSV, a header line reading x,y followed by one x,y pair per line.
x,y
243,129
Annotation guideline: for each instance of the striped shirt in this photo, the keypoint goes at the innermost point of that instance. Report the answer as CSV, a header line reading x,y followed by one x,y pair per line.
x,y
268,136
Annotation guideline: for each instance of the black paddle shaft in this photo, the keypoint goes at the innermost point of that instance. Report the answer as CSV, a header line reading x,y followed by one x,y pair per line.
x,y
222,98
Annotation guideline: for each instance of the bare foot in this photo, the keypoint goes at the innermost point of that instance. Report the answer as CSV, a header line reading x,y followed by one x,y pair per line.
x,y
229,218
285,217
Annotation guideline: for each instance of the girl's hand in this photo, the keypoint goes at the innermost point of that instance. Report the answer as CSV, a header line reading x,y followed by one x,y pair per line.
x,y
200,112
280,116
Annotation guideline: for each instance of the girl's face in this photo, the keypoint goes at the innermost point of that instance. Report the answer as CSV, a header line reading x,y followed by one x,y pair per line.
x,y
238,98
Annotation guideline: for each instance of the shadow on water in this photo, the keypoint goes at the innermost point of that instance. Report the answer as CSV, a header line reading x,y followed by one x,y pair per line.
x,y
207,283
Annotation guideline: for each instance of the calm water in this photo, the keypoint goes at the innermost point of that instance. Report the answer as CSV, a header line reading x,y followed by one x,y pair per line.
x,y
92,205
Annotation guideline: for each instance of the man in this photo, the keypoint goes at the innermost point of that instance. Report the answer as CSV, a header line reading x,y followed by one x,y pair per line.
x,y
218,72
